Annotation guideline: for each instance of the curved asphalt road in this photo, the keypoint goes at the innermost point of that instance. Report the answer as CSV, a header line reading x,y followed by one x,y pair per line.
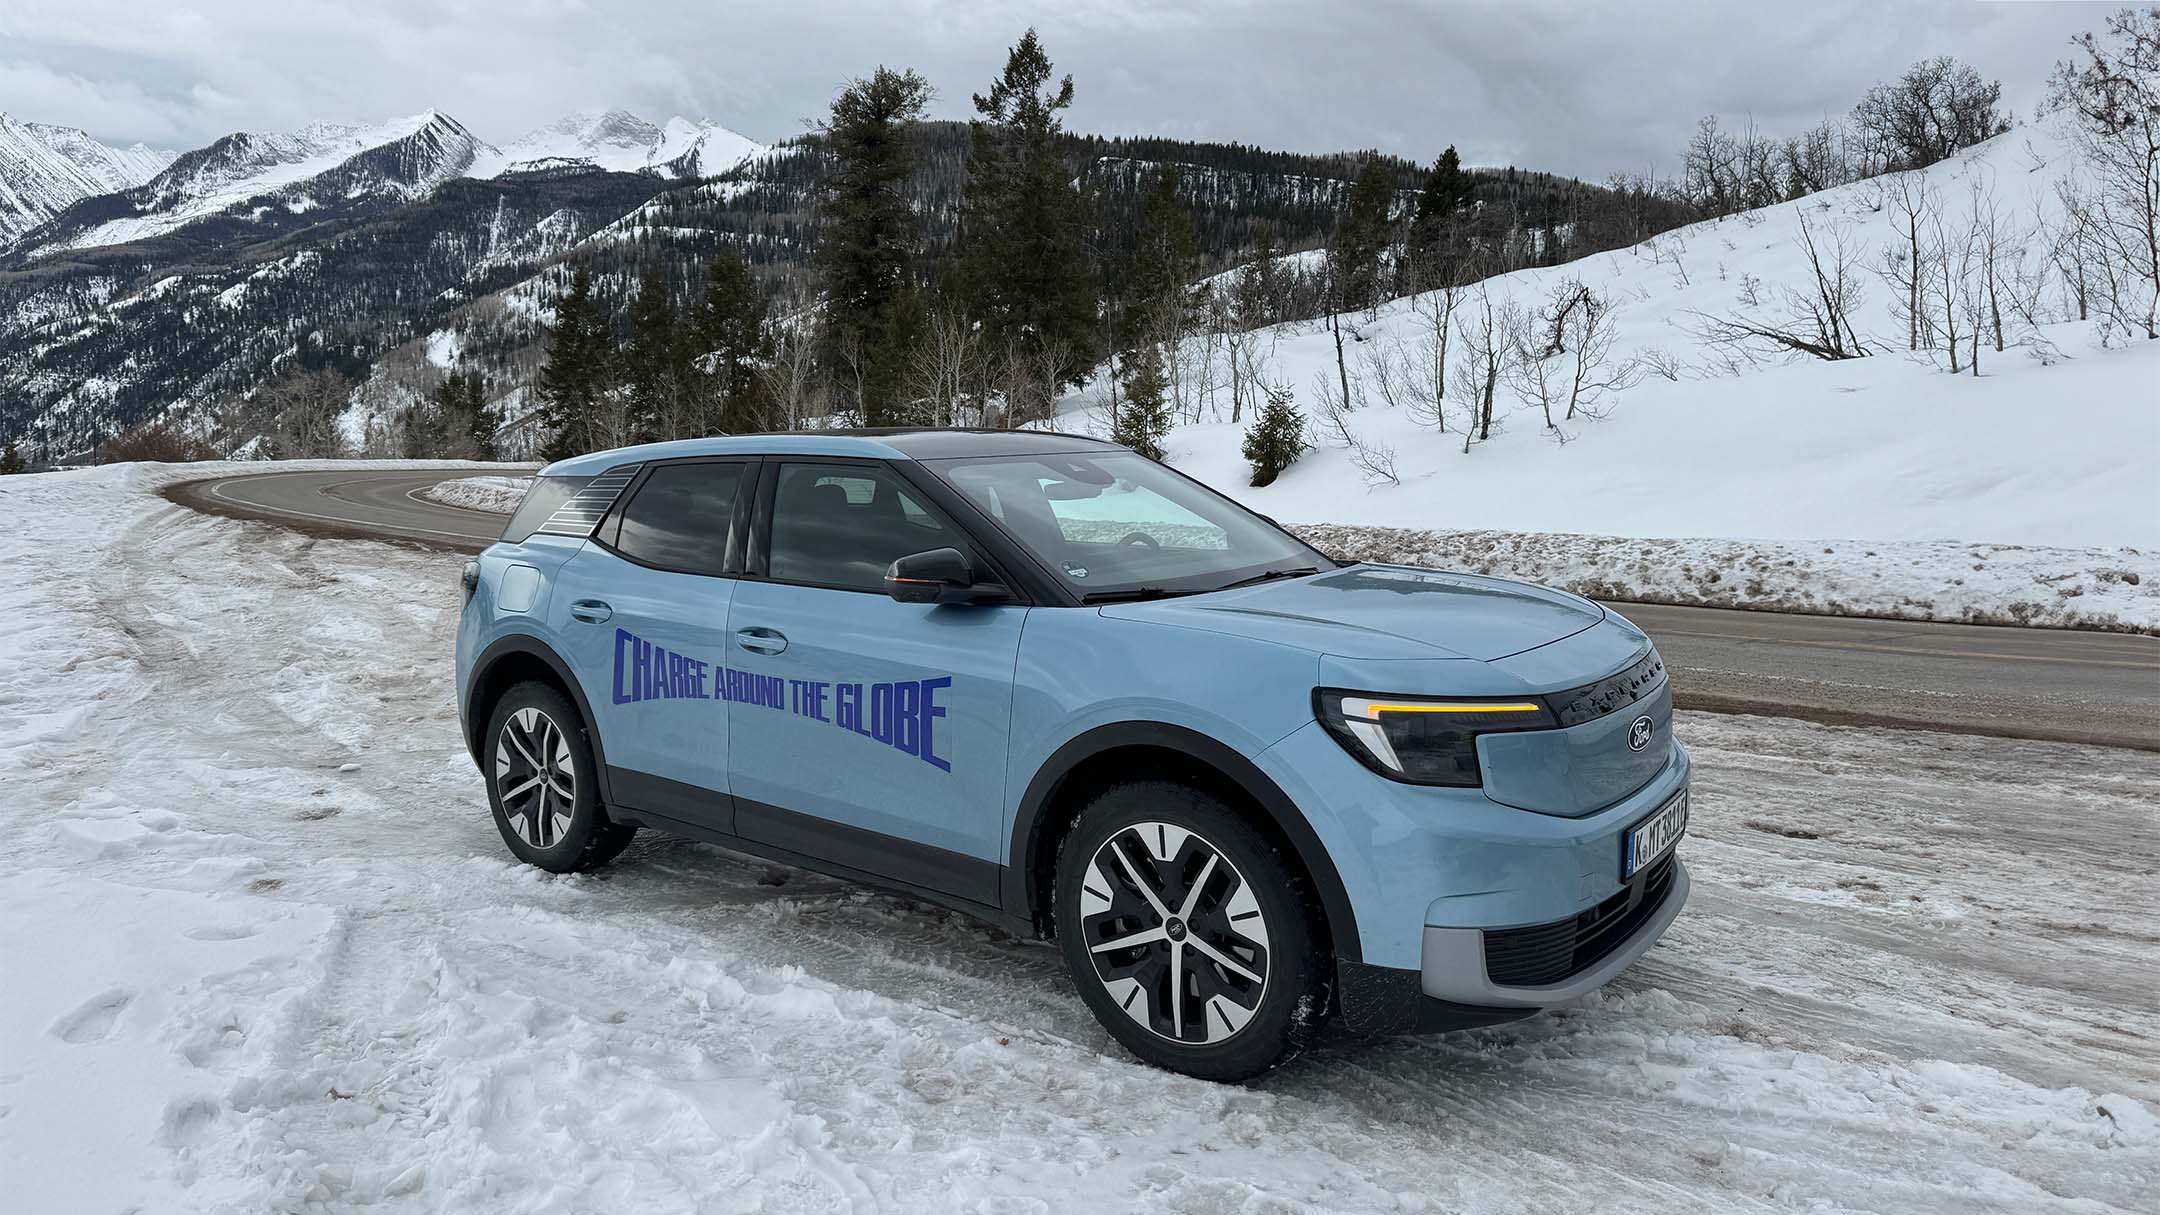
x,y
2099,688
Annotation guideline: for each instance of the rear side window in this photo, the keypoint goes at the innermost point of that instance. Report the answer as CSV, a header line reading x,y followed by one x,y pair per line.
x,y
546,494
679,519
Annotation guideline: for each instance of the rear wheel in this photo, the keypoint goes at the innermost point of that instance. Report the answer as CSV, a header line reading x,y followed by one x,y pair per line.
x,y
542,783
1188,932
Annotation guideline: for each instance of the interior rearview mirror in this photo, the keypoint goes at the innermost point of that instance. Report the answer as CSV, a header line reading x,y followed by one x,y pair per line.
x,y
940,575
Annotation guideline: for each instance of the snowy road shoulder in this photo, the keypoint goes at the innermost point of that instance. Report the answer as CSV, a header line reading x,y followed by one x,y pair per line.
x,y
297,969
2116,589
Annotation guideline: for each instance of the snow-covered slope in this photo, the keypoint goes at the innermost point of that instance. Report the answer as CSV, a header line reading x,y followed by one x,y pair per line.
x,y
45,168
2056,442
621,142
297,170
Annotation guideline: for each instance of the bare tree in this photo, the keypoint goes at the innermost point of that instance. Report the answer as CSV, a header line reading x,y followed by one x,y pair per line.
x,y
301,411
1489,333
1937,108
944,368
792,381
2113,97
1910,199
1375,460
1817,322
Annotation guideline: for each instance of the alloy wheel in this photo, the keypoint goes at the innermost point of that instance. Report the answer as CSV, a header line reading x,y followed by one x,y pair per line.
x,y
535,777
1176,936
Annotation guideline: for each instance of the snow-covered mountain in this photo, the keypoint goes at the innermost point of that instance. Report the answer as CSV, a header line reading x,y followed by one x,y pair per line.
x,y
318,165
44,169
618,141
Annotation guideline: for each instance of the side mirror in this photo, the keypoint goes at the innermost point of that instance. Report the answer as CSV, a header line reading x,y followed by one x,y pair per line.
x,y
941,575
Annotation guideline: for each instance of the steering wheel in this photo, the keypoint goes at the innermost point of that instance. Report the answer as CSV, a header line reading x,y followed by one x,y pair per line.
x,y
1140,540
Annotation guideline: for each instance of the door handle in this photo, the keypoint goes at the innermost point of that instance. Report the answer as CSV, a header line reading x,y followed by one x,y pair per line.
x,y
761,640
591,611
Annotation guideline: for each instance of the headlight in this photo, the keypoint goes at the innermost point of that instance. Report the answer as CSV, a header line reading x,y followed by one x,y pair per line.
x,y
1420,740
470,579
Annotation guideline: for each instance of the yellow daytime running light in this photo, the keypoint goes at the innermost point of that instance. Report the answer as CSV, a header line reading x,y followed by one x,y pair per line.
x,y
1515,708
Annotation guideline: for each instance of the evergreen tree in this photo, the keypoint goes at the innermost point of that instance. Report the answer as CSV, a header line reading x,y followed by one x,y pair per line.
x,y
1447,190
1162,263
1025,265
1361,238
11,460
480,421
1144,421
575,372
735,341
1276,438
868,243
658,365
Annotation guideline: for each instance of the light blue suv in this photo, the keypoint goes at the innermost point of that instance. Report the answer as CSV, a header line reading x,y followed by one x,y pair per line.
x,y
1052,683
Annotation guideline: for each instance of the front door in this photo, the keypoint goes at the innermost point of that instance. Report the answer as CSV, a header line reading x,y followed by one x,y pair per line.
x,y
645,608
865,732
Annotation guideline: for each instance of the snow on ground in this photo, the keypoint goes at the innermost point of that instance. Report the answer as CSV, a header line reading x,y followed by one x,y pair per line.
x,y
2112,589
1885,448
264,951
498,494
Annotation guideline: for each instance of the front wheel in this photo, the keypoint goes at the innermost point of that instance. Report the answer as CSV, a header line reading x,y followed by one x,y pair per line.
x,y
1188,932
542,784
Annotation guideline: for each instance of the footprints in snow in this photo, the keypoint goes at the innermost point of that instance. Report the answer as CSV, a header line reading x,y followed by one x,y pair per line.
x,y
93,1019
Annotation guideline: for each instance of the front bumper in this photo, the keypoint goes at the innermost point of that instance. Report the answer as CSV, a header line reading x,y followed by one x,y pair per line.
x,y
1455,968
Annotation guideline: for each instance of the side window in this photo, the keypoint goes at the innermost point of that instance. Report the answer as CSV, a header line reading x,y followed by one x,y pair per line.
x,y
679,518
842,525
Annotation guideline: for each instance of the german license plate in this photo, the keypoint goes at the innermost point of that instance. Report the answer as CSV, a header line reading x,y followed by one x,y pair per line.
x,y
1655,836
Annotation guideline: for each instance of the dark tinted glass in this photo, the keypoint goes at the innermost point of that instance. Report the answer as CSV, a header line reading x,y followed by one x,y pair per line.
x,y
842,525
540,501
679,518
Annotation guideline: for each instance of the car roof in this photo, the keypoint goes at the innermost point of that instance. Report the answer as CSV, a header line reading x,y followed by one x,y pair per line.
x,y
887,443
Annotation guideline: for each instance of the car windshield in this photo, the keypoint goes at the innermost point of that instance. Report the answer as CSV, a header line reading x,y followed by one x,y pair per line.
x,y
1118,525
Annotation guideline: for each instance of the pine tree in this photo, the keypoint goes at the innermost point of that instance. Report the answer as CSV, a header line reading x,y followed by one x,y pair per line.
x,y
1447,190
479,421
1025,266
1276,438
575,371
1361,238
1162,263
868,242
657,365
735,342
1144,421
11,460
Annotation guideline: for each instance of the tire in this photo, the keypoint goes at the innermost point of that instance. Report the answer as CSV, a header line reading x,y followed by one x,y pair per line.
x,y
1236,913
543,785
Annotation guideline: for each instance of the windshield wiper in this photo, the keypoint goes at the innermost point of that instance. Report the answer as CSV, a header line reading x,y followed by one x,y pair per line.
x,y
1132,593
1271,575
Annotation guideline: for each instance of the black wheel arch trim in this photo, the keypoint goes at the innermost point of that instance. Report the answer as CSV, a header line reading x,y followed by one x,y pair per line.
x,y
1021,894
529,646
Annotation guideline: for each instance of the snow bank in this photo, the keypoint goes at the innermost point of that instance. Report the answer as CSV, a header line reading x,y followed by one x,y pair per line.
x,y
2115,590
500,495
264,951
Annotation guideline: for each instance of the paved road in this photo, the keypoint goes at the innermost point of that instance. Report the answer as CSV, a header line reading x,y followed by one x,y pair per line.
x,y
2101,688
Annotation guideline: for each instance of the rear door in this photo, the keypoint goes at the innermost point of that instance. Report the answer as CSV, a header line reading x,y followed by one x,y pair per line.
x,y
645,608
867,733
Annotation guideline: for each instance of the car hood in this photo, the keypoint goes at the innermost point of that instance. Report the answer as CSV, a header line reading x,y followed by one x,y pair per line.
x,y
1383,612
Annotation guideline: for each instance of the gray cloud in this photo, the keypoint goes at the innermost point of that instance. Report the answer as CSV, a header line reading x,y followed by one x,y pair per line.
x,y
1583,88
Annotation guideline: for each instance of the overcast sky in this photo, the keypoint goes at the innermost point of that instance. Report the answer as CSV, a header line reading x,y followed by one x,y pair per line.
x,y
1582,88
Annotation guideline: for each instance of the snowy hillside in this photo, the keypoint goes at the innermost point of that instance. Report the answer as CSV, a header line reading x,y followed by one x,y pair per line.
x,y
45,168
2056,442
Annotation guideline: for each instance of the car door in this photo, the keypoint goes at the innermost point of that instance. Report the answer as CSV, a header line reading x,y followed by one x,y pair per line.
x,y
644,606
866,732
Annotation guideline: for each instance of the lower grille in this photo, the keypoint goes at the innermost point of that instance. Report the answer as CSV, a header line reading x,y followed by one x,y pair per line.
x,y
1552,953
